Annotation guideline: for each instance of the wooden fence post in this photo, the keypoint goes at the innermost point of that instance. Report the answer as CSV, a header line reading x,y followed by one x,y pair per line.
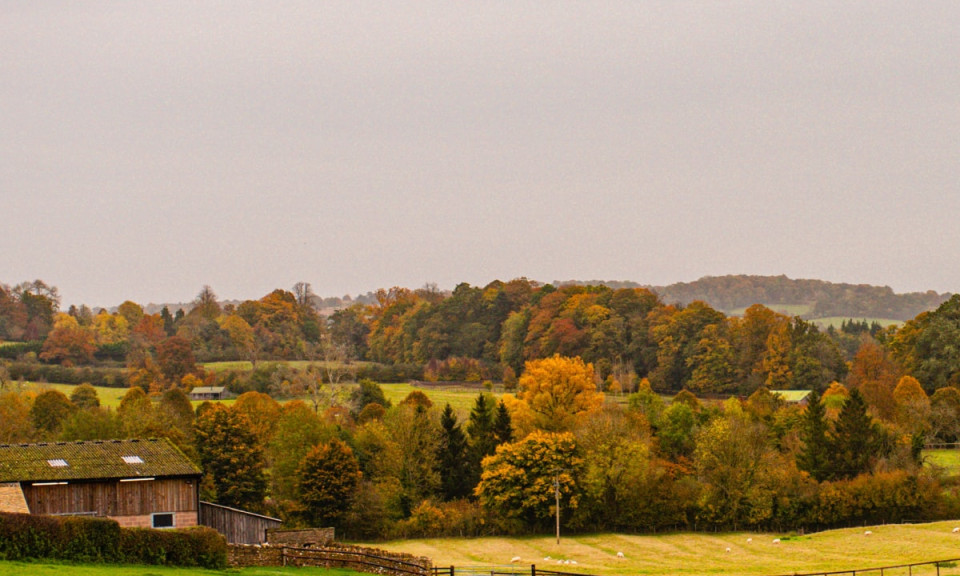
x,y
533,570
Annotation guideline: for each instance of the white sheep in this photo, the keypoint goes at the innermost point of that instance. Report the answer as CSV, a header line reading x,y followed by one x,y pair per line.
x,y
867,533
957,529
515,559
573,562
547,559
749,540
619,554
776,540
728,548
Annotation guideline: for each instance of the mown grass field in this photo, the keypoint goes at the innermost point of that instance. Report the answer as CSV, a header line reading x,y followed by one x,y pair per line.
x,y
787,309
706,553
246,366
44,569
461,399
946,459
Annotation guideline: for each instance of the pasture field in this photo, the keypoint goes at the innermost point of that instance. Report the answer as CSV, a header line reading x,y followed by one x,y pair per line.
x,y
43,569
696,554
947,459
461,399
247,366
786,309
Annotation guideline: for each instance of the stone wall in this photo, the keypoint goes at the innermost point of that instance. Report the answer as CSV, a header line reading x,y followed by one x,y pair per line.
x,y
300,538
356,558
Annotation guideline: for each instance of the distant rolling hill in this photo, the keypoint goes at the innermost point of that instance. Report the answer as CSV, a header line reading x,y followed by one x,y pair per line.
x,y
809,299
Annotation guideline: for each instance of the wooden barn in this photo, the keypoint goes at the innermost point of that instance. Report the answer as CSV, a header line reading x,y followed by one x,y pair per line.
x,y
143,483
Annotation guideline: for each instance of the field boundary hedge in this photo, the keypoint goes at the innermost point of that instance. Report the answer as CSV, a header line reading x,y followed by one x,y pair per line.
x,y
84,540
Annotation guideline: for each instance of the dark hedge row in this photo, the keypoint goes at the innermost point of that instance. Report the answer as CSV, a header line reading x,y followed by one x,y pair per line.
x,y
86,540
36,372
15,350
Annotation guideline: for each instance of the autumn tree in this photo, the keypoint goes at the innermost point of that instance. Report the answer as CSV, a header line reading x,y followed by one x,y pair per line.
x,y
231,457
85,396
297,429
367,392
175,358
518,481
49,410
875,375
92,423
734,466
68,343
328,478
945,414
418,436
616,466
912,405
559,391
261,411
16,424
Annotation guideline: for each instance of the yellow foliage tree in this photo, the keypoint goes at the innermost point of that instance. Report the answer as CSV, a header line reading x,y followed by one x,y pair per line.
x,y
912,405
559,391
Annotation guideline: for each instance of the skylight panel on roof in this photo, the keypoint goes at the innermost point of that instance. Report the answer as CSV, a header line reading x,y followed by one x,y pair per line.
x,y
133,459
57,463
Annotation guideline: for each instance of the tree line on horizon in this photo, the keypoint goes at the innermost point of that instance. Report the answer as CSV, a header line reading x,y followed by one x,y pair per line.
x,y
665,456
478,334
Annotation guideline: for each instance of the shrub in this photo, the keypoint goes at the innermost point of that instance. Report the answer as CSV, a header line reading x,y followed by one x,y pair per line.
x,y
81,539
74,539
197,546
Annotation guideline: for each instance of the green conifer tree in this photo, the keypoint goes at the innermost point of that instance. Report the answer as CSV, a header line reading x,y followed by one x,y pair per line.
x,y
814,457
454,475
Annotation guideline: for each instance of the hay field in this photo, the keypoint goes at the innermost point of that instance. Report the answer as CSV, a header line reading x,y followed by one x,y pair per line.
x,y
706,553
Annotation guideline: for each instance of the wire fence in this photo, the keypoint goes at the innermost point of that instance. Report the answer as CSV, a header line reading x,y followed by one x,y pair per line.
x,y
948,567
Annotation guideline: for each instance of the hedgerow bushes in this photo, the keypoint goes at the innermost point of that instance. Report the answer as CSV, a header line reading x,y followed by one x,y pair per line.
x,y
85,540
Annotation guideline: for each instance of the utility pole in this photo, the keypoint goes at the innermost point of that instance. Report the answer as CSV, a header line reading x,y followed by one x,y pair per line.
x,y
556,493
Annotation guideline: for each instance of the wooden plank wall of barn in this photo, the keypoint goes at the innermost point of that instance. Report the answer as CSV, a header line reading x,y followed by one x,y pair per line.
x,y
113,498
237,526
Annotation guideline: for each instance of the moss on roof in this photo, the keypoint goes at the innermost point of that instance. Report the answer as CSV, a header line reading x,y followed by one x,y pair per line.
x,y
98,460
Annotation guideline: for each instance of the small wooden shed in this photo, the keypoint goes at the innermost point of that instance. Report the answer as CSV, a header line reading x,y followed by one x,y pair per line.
x,y
238,526
210,393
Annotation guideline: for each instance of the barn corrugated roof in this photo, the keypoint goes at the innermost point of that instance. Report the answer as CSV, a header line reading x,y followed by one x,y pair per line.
x,y
63,461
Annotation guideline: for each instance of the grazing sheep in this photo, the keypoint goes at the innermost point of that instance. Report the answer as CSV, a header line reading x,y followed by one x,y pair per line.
x,y
867,533
776,540
515,559
749,540
619,554
573,562
547,559
728,548
957,529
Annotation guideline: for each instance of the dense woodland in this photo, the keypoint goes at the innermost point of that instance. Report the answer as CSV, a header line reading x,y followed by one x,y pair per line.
x,y
644,415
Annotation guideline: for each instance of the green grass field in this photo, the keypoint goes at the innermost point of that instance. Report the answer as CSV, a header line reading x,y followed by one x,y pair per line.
x,y
246,366
946,459
786,309
43,569
706,553
461,399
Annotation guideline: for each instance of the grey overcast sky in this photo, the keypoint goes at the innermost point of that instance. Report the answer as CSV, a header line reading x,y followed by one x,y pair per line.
x,y
149,148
